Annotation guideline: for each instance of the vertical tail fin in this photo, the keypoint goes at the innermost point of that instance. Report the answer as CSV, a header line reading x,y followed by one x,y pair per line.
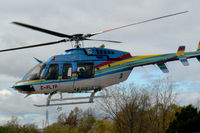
x,y
181,56
198,48
181,50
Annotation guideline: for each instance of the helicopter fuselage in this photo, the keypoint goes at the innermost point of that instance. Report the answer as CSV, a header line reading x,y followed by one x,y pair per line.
x,y
85,69
79,70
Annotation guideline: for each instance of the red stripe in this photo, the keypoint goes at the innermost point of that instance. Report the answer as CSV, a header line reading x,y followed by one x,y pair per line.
x,y
74,72
117,59
181,48
54,58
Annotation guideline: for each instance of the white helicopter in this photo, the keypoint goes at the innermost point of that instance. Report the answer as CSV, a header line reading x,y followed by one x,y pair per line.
x,y
88,69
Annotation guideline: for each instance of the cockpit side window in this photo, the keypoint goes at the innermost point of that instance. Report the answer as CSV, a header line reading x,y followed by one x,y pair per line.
x,y
52,73
67,71
36,72
42,70
85,70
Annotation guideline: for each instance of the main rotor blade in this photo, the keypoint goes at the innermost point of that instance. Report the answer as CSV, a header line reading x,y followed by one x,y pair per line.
x,y
103,40
92,34
42,30
36,45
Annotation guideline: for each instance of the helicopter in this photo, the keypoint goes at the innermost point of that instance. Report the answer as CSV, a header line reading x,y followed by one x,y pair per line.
x,y
90,69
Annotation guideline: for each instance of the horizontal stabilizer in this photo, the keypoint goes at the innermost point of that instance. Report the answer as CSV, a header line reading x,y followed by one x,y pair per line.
x,y
183,60
163,67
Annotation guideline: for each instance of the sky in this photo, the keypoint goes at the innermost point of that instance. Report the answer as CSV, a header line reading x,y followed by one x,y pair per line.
x,y
88,16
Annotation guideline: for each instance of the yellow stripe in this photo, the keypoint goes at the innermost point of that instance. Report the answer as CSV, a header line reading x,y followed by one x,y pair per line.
x,y
127,60
198,48
74,74
180,52
29,81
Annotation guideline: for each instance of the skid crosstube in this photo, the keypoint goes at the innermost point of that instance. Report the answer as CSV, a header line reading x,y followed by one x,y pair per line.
x,y
90,100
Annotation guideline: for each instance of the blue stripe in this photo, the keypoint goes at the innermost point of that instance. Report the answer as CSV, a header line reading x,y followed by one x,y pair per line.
x,y
116,71
72,80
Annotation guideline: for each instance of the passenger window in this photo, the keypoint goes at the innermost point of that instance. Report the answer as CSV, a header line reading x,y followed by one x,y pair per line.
x,y
67,71
97,51
52,73
85,70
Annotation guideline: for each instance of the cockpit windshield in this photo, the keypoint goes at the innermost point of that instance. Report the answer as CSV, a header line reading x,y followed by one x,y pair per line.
x,y
35,73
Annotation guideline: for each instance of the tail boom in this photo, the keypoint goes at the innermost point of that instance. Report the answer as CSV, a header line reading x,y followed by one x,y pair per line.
x,y
161,59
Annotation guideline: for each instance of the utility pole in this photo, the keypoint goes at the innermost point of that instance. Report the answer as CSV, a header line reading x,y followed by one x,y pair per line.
x,y
47,118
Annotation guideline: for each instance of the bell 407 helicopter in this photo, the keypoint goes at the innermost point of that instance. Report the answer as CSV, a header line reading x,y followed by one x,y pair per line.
x,y
88,69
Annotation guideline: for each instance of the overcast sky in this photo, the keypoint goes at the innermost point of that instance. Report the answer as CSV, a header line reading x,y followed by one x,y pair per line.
x,y
75,16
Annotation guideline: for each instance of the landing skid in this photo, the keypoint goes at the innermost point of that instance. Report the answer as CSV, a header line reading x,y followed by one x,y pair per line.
x,y
90,98
61,104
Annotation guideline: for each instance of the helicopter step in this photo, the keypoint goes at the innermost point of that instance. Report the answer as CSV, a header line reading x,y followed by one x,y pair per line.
x,y
90,98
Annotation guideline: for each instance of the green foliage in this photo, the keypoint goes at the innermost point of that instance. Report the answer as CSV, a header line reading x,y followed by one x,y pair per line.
x,y
140,109
132,110
13,126
76,122
85,124
20,129
186,121
58,128
102,126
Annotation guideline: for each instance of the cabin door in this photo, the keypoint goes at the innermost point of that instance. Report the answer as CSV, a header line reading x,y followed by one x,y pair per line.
x,y
67,79
84,76
52,78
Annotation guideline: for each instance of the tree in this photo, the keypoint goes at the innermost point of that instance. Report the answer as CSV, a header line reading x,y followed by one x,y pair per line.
x,y
186,121
85,124
102,126
126,106
141,109
58,128
13,126
13,123
71,119
163,99
76,121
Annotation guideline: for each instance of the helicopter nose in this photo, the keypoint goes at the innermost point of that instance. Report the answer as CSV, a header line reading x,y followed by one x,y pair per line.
x,y
24,88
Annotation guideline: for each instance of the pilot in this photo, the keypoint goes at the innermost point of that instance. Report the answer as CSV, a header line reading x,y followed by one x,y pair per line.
x,y
81,73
